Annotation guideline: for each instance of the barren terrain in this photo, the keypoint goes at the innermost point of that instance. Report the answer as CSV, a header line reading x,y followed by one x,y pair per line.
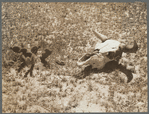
x,y
66,29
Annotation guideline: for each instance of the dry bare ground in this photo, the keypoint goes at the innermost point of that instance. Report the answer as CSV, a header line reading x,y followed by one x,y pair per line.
x,y
67,30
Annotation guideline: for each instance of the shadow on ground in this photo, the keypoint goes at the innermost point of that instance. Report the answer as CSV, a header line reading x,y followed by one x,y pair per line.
x,y
109,67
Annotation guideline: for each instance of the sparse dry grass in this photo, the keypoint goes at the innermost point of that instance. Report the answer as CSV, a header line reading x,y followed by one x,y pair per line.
x,y
66,29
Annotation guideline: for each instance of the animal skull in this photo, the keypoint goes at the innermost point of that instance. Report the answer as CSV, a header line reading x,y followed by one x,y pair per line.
x,y
107,46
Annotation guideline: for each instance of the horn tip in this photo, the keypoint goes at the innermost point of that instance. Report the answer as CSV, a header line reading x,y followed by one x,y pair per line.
x,y
131,49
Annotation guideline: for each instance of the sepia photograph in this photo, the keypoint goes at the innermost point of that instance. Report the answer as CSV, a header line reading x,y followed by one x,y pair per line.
x,y
71,57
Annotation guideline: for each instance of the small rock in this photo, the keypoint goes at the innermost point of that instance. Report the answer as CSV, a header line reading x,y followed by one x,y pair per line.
x,y
132,68
124,54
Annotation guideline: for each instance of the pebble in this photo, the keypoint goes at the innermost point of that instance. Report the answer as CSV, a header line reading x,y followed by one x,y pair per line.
x,y
132,68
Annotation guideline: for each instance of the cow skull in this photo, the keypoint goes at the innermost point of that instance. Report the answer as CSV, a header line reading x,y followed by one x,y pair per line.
x,y
99,59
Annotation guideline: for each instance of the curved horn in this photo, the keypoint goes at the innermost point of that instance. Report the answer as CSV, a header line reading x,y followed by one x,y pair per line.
x,y
100,36
130,49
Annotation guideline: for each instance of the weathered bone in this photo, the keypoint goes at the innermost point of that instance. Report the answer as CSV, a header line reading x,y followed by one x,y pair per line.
x,y
81,63
107,46
126,48
99,59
